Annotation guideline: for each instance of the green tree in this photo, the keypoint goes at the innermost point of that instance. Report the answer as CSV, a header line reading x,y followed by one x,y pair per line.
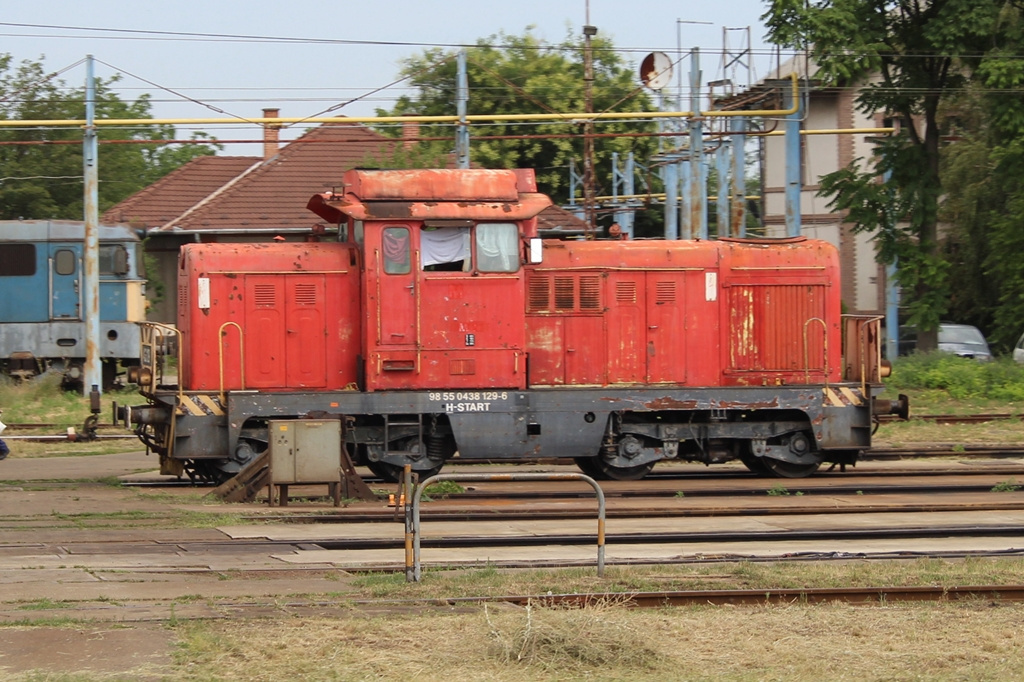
x,y
524,75
984,182
907,58
41,168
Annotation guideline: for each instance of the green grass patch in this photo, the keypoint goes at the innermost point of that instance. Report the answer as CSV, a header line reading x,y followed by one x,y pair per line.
x,y
942,376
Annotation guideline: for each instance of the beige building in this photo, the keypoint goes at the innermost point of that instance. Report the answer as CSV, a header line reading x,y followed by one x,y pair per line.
x,y
828,109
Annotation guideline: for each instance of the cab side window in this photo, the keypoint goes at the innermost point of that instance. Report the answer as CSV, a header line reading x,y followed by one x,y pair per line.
x,y
497,247
395,247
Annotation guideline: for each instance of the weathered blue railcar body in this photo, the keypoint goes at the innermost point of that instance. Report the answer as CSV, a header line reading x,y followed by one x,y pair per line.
x,y
42,323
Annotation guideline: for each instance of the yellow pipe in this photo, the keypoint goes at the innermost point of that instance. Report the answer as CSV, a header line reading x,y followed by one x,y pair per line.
x,y
474,118
657,195
834,131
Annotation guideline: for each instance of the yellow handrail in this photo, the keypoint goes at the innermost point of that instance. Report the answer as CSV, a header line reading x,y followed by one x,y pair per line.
x,y
807,360
241,355
177,356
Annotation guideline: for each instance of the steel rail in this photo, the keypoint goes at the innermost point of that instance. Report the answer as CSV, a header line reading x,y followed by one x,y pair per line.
x,y
880,596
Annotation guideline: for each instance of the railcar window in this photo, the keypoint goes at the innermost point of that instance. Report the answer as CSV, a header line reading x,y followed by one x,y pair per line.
x,y
497,247
113,260
395,245
64,262
17,260
445,249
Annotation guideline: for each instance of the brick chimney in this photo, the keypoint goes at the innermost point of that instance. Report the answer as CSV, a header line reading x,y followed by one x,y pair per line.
x,y
410,133
271,134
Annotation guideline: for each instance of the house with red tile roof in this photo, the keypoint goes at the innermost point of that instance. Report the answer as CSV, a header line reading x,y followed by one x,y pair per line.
x,y
246,199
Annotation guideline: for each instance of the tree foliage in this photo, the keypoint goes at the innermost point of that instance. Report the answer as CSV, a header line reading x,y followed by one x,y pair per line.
x,y
41,169
524,76
907,58
984,182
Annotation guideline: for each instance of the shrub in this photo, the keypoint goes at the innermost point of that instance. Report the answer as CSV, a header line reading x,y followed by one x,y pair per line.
x,y
961,378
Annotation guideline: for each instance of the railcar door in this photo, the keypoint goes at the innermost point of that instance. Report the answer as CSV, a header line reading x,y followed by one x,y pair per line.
x,y
666,327
65,283
396,288
285,342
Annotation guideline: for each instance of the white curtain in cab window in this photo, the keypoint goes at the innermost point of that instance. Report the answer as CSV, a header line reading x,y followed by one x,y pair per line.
x,y
497,247
444,245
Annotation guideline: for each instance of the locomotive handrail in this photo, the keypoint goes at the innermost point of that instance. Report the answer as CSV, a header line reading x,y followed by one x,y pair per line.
x,y
241,355
862,340
412,517
177,355
807,360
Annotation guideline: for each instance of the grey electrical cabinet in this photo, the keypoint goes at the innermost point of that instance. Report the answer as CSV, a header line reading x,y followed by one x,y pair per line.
x,y
305,451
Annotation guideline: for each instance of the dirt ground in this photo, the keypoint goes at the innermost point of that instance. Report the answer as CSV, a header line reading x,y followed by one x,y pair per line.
x,y
74,602
115,627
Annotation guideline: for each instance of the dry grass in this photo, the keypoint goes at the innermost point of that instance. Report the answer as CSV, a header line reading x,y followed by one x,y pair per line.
x,y
908,434
610,642
699,576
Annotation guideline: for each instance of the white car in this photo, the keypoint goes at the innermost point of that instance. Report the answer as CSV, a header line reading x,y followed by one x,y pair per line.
x,y
964,340
1018,351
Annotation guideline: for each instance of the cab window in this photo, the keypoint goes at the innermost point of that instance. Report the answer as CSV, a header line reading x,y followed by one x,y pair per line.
x,y
497,247
445,249
395,247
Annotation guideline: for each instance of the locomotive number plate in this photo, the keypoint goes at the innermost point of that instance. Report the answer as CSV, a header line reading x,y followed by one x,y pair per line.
x,y
468,401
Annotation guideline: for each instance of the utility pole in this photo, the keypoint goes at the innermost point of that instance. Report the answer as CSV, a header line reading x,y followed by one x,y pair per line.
x,y
462,127
91,249
589,209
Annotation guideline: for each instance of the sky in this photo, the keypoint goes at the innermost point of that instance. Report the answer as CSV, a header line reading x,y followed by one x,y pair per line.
x,y
334,52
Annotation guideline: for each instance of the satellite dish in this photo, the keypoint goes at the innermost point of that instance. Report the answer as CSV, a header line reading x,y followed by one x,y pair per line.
x,y
656,70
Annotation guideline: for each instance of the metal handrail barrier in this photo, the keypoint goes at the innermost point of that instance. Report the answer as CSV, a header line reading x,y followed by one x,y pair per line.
x,y
413,573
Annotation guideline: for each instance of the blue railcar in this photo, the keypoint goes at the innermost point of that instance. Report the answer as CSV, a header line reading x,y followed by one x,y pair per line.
x,y
42,303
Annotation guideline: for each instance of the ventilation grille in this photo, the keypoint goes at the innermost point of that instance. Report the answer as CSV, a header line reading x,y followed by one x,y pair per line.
x,y
590,293
625,292
183,297
777,327
540,293
264,295
305,294
665,292
580,293
565,293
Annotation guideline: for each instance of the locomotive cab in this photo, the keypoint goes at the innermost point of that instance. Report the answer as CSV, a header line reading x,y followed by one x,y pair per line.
x,y
443,283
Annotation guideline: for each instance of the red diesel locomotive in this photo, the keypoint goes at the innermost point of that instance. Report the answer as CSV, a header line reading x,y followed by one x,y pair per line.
x,y
440,325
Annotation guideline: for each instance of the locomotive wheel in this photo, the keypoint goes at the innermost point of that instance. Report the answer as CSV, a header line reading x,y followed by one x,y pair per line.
x,y
756,464
588,465
608,472
788,469
393,473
